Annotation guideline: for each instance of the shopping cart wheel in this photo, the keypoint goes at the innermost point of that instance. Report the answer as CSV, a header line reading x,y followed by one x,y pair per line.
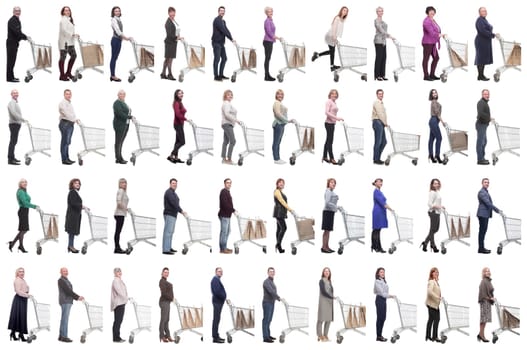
x,y
189,161
341,161
280,77
83,338
240,161
81,161
177,338
396,77
132,159
443,251
340,339
494,339
131,78
393,339
28,160
392,249
131,339
496,77
39,250
500,250
181,77
84,249
233,78
229,338
236,250
74,78
445,159
387,161
29,339
443,77
494,160
292,160
364,77
79,76
201,338
443,339
293,250
27,79
264,249
129,250
336,77
282,338
414,161
341,250
184,251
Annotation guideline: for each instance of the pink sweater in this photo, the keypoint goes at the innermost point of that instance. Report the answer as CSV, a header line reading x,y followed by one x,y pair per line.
x,y
331,112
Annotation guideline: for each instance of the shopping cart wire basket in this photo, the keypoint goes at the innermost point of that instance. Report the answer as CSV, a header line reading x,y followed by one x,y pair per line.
x,y
297,319
203,138
354,226
40,142
354,317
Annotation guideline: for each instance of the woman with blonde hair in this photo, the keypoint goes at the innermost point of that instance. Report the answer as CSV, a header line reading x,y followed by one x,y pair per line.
x,y
433,298
279,123
328,214
24,203
120,213
18,315
331,119
335,32
486,300
228,121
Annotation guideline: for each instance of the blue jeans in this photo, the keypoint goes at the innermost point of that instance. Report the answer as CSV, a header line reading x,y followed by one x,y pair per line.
x,y
168,232
481,141
66,131
380,139
225,230
278,132
116,50
268,310
435,135
64,319
219,53
71,240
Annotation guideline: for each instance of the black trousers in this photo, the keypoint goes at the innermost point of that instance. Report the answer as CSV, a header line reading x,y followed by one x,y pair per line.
x,y
331,53
380,61
119,222
118,315
12,50
433,322
119,140
14,129
281,227
180,139
268,50
216,320
328,146
434,227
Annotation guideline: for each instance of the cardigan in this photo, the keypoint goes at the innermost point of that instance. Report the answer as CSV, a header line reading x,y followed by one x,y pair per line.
x,y
228,114
435,109
379,112
483,111
15,114
270,30
121,115
21,287
433,294
434,200
117,27
171,203
24,200
66,33
122,203
337,27
381,32
431,31
167,292
280,113
179,113
330,200
119,293
486,290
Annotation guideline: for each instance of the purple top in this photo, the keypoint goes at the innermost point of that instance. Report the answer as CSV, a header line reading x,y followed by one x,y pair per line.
x,y
431,31
269,30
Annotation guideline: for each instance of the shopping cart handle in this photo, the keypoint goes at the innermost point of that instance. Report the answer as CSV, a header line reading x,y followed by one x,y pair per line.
x,y
228,302
130,211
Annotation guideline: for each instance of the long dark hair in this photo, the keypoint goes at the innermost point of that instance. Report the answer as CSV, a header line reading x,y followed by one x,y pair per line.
x,y
176,98
431,96
113,9
377,277
71,16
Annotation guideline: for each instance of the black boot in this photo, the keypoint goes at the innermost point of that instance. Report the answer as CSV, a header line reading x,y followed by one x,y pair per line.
x,y
70,66
378,241
62,77
481,75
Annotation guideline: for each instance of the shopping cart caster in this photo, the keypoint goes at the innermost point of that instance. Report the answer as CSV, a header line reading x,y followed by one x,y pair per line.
x,y
177,338
500,250
443,77
83,338
280,77
184,251
494,339
496,77
233,79
396,78
443,339
364,77
181,77
131,339
84,249
391,250
189,161
28,78
414,161
341,250
236,250
79,76
341,161
81,162
229,339
293,250
340,339
39,250
201,338
292,160
336,77
133,159
282,338
393,340
387,161
27,160
129,250
240,161
29,340
494,160
445,159
131,78
74,78
264,249
443,251
210,250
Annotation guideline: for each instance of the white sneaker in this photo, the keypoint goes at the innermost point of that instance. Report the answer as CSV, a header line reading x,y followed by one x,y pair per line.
x,y
279,161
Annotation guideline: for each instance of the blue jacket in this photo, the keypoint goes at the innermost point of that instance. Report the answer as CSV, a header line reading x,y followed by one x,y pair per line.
x,y
220,31
485,206
218,291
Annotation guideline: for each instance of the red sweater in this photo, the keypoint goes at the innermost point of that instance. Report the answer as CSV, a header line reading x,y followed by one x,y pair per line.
x,y
179,113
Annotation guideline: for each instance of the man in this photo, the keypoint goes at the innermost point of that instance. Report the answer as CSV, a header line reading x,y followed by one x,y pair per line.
x,y
269,297
67,122
219,32
172,208
485,208
121,123
482,123
15,122
14,35
225,213
218,299
119,299
66,297
379,122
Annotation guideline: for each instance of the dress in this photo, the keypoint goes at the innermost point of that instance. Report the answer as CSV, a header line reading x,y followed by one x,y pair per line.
x,y
172,30
18,315
379,217
486,292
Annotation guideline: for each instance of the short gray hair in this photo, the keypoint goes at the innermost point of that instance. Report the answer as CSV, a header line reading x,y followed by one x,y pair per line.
x,y
267,8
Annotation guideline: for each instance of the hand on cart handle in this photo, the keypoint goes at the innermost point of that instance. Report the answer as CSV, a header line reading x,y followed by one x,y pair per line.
x,y
184,213
228,301
86,209
181,38
81,298
78,121
498,36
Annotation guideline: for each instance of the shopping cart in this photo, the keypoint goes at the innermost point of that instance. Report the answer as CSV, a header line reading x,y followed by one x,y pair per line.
x,y
98,229
354,225
50,224
144,58
354,317
354,141
40,142
458,55
254,142
406,56
190,318
247,58
195,55
148,139
511,52
42,315
350,58
94,319
458,228
408,317
306,233
295,58
199,232
143,315
403,143
41,59
457,318
306,141
242,320
297,319
250,230
509,317
508,141
144,230
405,230
94,139
92,57
203,138
458,142
513,232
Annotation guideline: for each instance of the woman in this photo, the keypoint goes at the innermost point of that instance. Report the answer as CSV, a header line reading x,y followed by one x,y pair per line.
x,y
121,210
66,43
167,296
331,119
279,123
117,39
18,315
335,32
328,215
381,291
483,43
228,121
325,304
434,212
431,36
268,41
280,213
179,121
379,218
486,300
435,132
118,302
73,214
380,45
24,203
172,29
121,123
433,298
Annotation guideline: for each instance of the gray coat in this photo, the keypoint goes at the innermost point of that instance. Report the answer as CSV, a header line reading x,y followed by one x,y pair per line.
x,y
325,301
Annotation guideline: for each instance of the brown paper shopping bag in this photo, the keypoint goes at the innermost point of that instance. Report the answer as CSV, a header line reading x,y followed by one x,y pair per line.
x,y
249,231
453,229
515,58
244,61
252,58
305,229
184,320
509,320
198,317
261,232
196,60
349,318
190,319
311,144
250,318
52,230
459,141
354,320
362,316
146,58
457,60
92,55
40,61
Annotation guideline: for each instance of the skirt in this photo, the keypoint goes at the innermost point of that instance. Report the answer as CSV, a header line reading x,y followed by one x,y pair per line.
x,y
23,219
170,50
485,313
328,217
18,315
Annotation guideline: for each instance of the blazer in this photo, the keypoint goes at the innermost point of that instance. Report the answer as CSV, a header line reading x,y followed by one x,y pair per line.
x,y
220,31
172,30
74,213
433,294
14,30
485,206
66,293
218,291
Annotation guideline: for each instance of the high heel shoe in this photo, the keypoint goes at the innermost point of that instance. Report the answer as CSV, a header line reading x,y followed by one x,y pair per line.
x,y
434,249
423,245
21,337
21,249
12,336
380,250
439,160
10,245
72,250
278,248
432,159
480,338
333,161
326,160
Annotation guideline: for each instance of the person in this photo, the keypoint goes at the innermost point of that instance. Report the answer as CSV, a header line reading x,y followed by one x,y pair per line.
x,y
331,38
117,39
270,295
433,298
331,119
379,122
121,209
171,209
268,41
379,40
179,121
431,45
66,124
66,43
279,123
280,213
228,121
24,203
14,35
66,297
483,120
15,123
379,218
122,114
172,36
219,33
435,132
328,214
18,314
486,300
484,213
74,214
382,292
325,305
225,213
118,302
167,296
434,212
483,43
218,299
